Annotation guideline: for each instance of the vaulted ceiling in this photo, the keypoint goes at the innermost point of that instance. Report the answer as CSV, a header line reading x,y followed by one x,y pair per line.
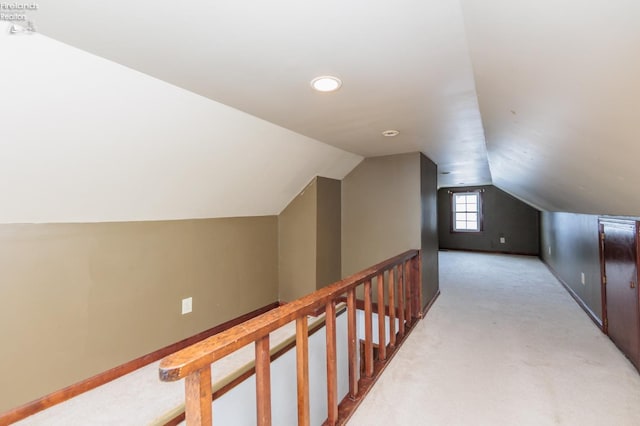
x,y
558,84
539,98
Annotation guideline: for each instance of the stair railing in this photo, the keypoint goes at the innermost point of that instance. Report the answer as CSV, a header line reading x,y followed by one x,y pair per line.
x,y
403,296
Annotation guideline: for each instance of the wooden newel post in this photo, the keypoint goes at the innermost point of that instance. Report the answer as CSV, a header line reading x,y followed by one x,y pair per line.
x,y
198,398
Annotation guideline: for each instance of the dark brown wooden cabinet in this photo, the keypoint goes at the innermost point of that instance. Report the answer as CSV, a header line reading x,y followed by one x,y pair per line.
x,y
620,297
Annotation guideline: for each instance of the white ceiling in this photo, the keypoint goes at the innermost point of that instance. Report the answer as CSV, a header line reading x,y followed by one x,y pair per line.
x,y
404,65
553,86
86,140
559,90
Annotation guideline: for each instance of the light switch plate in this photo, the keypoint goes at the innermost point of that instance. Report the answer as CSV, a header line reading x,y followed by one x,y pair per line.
x,y
187,305
502,240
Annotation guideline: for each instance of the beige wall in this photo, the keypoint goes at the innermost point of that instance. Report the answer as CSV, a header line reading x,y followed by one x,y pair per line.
x,y
297,245
79,299
309,240
381,212
328,255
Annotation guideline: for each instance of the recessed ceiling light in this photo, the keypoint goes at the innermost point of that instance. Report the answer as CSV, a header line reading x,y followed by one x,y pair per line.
x,y
390,133
326,83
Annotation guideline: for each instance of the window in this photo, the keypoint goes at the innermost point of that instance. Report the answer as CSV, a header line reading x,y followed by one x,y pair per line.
x,y
466,212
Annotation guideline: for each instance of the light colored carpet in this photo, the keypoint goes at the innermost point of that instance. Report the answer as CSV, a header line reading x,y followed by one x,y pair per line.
x,y
504,344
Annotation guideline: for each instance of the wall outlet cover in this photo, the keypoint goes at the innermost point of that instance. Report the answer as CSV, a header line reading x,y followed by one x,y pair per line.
x,y
187,305
502,240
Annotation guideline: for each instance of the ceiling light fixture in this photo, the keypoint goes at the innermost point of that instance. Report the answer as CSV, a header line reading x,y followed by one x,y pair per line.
x,y
326,83
390,133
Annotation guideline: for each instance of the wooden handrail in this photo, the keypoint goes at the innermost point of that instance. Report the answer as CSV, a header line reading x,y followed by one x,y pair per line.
x,y
193,362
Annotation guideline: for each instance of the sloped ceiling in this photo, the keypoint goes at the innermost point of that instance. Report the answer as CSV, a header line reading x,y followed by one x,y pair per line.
x,y
404,65
539,98
559,89
84,139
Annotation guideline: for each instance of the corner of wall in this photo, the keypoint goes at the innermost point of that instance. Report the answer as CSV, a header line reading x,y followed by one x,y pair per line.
x,y
329,231
297,245
429,229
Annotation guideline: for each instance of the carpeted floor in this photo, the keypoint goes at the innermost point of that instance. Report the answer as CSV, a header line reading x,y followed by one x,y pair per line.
x,y
504,344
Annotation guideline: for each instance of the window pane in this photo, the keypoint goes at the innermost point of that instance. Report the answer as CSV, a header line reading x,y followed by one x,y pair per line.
x,y
466,212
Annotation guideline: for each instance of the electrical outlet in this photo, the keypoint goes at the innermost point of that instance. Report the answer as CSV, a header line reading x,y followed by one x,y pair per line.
x,y
502,240
582,277
187,305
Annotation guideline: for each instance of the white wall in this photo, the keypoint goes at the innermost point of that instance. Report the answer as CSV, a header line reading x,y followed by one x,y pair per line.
x,y
238,406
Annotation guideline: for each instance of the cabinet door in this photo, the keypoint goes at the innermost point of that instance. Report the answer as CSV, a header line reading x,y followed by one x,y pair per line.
x,y
621,287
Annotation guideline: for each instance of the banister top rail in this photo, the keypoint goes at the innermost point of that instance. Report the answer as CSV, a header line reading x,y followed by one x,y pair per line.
x,y
189,360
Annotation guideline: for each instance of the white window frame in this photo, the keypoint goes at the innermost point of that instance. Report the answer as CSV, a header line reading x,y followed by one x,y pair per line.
x,y
464,214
